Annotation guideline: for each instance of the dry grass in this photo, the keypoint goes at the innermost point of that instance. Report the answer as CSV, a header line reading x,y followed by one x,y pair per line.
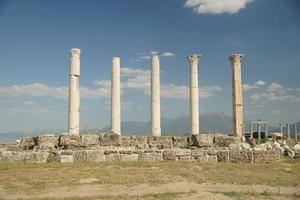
x,y
33,178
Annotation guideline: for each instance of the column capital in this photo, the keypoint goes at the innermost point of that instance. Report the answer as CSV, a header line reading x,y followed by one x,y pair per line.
x,y
75,53
193,58
235,57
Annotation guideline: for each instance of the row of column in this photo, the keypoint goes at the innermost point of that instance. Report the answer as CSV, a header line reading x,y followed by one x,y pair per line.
x,y
193,60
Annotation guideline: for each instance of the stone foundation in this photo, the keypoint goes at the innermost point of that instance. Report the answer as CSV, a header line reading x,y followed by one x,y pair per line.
x,y
112,147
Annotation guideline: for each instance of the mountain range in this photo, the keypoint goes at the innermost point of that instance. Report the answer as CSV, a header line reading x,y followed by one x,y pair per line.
x,y
210,122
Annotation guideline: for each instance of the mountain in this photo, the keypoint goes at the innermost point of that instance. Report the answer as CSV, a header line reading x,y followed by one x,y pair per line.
x,y
209,122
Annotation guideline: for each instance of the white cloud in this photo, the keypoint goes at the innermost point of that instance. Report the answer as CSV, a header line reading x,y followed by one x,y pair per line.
x,y
132,79
247,87
270,97
217,6
260,83
167,54
275,87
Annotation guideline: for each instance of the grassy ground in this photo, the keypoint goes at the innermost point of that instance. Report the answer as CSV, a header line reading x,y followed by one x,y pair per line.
x,y
49,180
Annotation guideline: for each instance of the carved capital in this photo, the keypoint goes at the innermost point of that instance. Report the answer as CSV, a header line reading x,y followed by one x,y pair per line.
x,y
75,53
235,58
193,59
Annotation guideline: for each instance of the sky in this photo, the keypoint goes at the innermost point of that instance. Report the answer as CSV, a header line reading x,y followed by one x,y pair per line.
x,y
37,35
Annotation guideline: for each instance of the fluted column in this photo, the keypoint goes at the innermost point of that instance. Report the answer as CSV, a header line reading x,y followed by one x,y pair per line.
x,y
115,97
194,93
237,95
155,97
74,97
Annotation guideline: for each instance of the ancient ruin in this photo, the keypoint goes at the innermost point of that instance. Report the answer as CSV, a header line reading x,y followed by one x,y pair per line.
x,y
72,147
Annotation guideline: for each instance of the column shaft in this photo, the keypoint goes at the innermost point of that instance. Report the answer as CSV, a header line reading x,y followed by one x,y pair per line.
x,y
194,94
155,97
115,97
74,95
237,95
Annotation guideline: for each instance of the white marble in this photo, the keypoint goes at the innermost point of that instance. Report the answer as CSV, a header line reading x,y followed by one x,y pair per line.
x,y
155,96
194,93
115,97
74,95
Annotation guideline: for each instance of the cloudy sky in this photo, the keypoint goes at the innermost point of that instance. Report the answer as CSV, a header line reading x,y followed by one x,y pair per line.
x,y
36,36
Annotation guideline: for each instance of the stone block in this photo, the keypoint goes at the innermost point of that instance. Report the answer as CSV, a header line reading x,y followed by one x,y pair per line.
x,y
182,154
153,156
90,140
28,143
223,155
160,142
196,154
80,156
113,157
240,156
47,142
180,142
110,139
169,154
70,141
95,156
138,142
221,140
208,159
66,158
266,156
201,140
54,156
38,157
129,157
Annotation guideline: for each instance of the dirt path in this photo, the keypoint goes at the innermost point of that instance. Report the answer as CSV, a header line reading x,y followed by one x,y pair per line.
x,y
189,190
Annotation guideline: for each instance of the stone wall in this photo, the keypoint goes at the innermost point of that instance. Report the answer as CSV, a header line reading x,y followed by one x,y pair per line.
x,y
112,147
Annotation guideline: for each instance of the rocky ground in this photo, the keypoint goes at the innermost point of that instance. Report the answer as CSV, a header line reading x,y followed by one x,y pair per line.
x,y
151,180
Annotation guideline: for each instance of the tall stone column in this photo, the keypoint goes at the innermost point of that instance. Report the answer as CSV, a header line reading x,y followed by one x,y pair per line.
x,y
237,95
194,93
74,97
155,97
115,97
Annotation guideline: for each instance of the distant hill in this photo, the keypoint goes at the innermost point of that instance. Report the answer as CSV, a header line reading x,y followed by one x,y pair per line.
x,y
209,122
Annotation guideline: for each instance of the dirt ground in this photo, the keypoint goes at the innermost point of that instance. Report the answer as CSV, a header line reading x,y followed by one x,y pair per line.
x,y
158,180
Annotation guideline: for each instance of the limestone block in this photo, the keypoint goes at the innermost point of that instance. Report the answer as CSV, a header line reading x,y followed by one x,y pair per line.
x,y
110,139
201,140
66,159
208,159
196,154
39,157
223,155
95,156
113,157
160,142
47,142
221,140
129,157
182,154
180,142
54,156
245,156
80,156
70,141
169,154
153,156
266,156
28,143
90,140
139,142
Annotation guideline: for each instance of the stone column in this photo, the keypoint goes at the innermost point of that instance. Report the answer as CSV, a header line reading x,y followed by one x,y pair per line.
x,y
296,138
155,97
74,97
194,93
237,95
281,128
115,97
288,131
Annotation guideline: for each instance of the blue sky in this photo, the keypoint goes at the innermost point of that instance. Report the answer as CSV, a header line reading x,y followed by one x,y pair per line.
x,y
36,36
